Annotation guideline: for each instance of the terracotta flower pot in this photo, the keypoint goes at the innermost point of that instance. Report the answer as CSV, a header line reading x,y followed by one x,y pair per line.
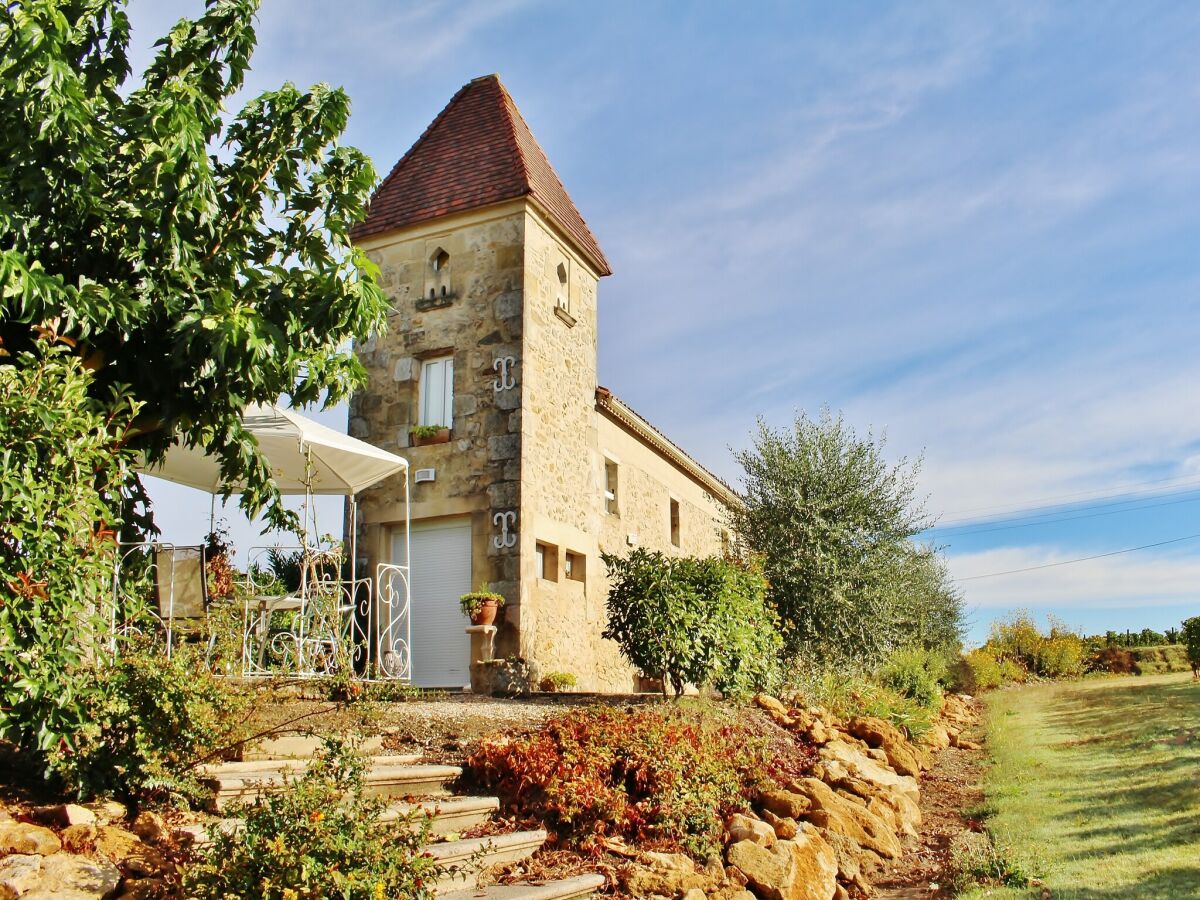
x,y
441,437
486,614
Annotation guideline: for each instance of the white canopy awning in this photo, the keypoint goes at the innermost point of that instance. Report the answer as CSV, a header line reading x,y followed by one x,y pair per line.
x,y
340,465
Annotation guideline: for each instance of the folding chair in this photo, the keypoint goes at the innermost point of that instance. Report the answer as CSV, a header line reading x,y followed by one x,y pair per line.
x,y
181,587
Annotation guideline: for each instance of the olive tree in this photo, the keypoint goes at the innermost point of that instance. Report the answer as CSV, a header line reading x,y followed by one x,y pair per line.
x,y
195,261
833,521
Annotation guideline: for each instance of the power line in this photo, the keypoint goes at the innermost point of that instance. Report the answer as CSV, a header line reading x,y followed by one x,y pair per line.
x,y
1002,507
1054,521
1067,562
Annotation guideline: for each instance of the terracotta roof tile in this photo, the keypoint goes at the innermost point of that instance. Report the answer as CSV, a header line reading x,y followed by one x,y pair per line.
x,y
478,151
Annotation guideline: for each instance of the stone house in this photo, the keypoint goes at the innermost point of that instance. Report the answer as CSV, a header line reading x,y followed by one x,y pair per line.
x,y
525,469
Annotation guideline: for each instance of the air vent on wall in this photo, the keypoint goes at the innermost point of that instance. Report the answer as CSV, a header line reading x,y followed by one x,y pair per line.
x,y
421,475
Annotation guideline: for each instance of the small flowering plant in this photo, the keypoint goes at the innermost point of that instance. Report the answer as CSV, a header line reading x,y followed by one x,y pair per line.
x,y
474,602
318,838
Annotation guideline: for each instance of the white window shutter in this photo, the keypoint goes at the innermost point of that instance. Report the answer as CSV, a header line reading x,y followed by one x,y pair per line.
x,y
448,392
437,392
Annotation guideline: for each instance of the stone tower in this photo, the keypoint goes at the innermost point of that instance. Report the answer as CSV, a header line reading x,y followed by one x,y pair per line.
x,y
486,382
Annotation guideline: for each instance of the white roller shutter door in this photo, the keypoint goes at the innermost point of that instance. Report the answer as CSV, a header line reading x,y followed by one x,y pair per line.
x,y
441,573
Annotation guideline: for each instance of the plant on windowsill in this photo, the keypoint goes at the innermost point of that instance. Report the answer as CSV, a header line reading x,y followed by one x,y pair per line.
x,y
430,434
481,605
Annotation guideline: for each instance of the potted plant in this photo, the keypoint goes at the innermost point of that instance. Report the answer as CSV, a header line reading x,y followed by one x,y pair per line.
x,y
430,434
481,605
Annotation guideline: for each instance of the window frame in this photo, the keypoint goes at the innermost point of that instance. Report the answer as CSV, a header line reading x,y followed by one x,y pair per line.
x,y
612,487
424,387
546,560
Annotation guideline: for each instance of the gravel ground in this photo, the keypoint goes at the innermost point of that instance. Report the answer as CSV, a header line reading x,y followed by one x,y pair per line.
x,y
441,729
950,789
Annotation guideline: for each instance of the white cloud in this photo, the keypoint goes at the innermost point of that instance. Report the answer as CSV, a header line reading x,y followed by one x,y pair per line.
x,y
1131,581
382,39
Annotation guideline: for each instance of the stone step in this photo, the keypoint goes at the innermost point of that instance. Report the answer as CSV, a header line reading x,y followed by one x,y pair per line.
x,y
468,857
301,746
566,889
394,777
295,765
448,814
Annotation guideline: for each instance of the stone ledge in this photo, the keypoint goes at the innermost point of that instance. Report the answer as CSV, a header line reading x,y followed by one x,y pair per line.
x,y
424,304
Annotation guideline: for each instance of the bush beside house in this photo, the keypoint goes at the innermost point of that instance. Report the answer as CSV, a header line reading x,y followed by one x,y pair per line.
x,y
693,621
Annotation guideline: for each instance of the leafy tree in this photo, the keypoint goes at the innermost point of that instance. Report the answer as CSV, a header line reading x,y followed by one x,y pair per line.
x,y
195,263
161,267
833,521
692,621
1191,639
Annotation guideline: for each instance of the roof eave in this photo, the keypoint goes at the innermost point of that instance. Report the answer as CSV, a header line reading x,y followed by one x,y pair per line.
x,y
608,403
597,261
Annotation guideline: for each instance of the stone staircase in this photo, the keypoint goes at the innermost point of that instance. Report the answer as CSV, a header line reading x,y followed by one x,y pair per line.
x,y
412,786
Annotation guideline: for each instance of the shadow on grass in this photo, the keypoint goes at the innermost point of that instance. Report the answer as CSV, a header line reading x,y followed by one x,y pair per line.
x,y
1175,883
1124,785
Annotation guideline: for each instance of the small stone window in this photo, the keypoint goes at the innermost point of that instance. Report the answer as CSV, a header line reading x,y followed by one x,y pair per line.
x,y
574,566
560,280
437,284
610,488
546,560
674,523
562,298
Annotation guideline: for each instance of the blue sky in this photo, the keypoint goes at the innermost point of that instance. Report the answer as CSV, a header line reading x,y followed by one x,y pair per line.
x,y
974,226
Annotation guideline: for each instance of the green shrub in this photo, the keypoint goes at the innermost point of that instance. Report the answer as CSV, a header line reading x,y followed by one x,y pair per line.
x,y
320,838
1012,672
847,692
1191,641
975,859
1060,656
977,671
556,682
1160,660
61,480
666,774
150,721
916,674
834,521
1024,650
693,621
1016,638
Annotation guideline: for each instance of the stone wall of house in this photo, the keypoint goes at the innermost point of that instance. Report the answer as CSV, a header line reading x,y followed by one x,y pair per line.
x,y
560,508
477,319
647,482
565,441
528,446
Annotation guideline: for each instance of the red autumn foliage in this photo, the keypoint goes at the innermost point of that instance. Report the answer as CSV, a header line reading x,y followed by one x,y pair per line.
x,y
664,776
1116,660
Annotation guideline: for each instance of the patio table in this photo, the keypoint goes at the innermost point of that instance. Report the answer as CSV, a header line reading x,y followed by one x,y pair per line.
x,y
264,605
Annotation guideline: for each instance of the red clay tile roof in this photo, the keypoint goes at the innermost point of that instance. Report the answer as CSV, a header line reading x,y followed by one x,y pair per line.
x,y
478,151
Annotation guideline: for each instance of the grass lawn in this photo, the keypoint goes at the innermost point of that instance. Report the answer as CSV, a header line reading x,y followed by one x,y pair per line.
x,y
1095,786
